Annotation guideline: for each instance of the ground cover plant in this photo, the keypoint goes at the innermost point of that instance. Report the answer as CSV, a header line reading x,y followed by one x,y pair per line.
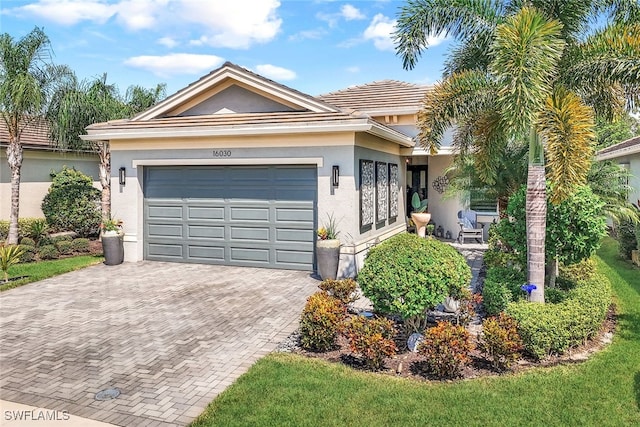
x,y
288,389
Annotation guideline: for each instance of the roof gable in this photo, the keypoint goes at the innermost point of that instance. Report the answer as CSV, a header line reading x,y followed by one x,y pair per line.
x,y
211,94
624,148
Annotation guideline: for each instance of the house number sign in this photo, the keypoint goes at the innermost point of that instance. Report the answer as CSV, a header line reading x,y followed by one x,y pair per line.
x,y
221,153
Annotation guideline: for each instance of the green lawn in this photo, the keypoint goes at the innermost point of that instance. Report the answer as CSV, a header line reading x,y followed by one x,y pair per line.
x,y
289,390
44,269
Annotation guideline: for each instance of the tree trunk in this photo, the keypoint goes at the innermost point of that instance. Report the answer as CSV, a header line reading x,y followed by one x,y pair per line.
x,y
14,158
552,272
104,153
536,217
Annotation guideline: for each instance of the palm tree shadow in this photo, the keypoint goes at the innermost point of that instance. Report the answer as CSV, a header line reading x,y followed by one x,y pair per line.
x,y
636,388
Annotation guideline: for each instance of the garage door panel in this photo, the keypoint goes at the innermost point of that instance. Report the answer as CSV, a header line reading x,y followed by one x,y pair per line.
x,y
206,232
165,230
254,216
165,212
249,254
166,250
250,233
204,212
206,253
249,214
293,235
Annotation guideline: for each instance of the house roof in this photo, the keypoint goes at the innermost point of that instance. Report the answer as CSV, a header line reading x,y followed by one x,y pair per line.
x,y
242,75
379,97
624,148
243,124
306,114
35,135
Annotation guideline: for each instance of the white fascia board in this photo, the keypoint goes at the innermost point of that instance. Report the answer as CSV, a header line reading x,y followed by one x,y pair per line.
x,y
390,112
418,150
224,131
391,135
619,153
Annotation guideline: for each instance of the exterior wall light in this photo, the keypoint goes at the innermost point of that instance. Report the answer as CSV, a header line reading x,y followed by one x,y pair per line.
x,y
335,175
122,175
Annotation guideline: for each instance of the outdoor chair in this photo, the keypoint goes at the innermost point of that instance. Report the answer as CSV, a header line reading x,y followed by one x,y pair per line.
x,y
468,221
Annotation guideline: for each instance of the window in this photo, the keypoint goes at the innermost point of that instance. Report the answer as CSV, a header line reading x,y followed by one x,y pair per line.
x,y
480,202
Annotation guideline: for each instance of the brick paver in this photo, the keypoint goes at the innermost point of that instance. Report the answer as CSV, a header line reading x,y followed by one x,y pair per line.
x,y
170,336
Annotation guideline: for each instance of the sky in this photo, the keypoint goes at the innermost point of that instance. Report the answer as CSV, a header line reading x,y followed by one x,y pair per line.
x,y
314,46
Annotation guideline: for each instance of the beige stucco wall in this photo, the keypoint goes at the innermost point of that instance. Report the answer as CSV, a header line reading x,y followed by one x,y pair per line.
x,y
35,177
319,150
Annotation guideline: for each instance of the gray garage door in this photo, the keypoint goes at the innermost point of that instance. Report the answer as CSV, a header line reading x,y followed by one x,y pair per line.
x,y
241,215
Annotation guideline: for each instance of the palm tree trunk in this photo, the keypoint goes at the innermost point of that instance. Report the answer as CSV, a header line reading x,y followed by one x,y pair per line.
x,y
104,154
14,158
536,217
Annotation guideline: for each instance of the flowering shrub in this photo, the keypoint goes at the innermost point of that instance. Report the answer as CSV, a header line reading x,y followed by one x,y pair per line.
x,y
372,339
468,304
320,322
344,289
446,349
500,342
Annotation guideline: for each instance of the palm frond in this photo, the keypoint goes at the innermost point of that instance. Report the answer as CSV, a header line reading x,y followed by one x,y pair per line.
x,y
610,182
567,126
459,19
526,53
456,97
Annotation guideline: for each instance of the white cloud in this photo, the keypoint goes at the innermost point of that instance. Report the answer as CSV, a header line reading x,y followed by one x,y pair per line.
x,y
351,13
308,34
168,42
353,69
380,31
276,73
175,64
68,12
435,40
232,24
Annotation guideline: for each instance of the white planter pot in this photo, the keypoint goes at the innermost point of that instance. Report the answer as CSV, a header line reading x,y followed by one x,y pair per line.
x,y
421,219
327,258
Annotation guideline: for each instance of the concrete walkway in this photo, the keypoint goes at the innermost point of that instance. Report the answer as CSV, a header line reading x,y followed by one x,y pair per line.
x,y
169,337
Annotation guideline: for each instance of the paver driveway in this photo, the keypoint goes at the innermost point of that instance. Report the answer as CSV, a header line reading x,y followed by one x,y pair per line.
x,y
169,336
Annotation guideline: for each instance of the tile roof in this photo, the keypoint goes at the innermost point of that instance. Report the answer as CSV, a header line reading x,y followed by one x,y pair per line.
x,y
34,135
238,121
383,96
621,147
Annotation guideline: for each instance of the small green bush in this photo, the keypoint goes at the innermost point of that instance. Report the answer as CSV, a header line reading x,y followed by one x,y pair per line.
x,y
65,247
500,342
27,241
446,349
72,203
48,252
554,328
626,237
28,254
62,238
320,322
372,339
38,229
501,286
407,275
343,289
9,255
583,270
555,295
80,245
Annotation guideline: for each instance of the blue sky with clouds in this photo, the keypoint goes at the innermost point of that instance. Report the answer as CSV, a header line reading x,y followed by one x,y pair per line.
x,y
314,46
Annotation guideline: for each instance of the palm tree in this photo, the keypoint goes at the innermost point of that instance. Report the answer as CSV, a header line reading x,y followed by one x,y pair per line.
x,y
79,104
531,73
27,79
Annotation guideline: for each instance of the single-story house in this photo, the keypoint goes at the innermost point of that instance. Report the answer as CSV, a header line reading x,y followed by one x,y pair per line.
x,y
627,155
238,169
40,157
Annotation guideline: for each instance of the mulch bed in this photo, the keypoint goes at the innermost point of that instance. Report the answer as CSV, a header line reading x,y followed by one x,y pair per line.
x,y
407,364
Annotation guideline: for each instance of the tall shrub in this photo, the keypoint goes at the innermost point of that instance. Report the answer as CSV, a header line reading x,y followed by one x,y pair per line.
x,y
72,203
407,275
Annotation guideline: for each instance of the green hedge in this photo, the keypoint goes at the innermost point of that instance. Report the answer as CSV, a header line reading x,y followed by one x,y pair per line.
x,y
554,328
501,286
24,227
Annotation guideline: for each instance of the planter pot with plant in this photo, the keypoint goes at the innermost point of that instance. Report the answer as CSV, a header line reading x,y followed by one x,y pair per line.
x,y
420,216
328,249
112,241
